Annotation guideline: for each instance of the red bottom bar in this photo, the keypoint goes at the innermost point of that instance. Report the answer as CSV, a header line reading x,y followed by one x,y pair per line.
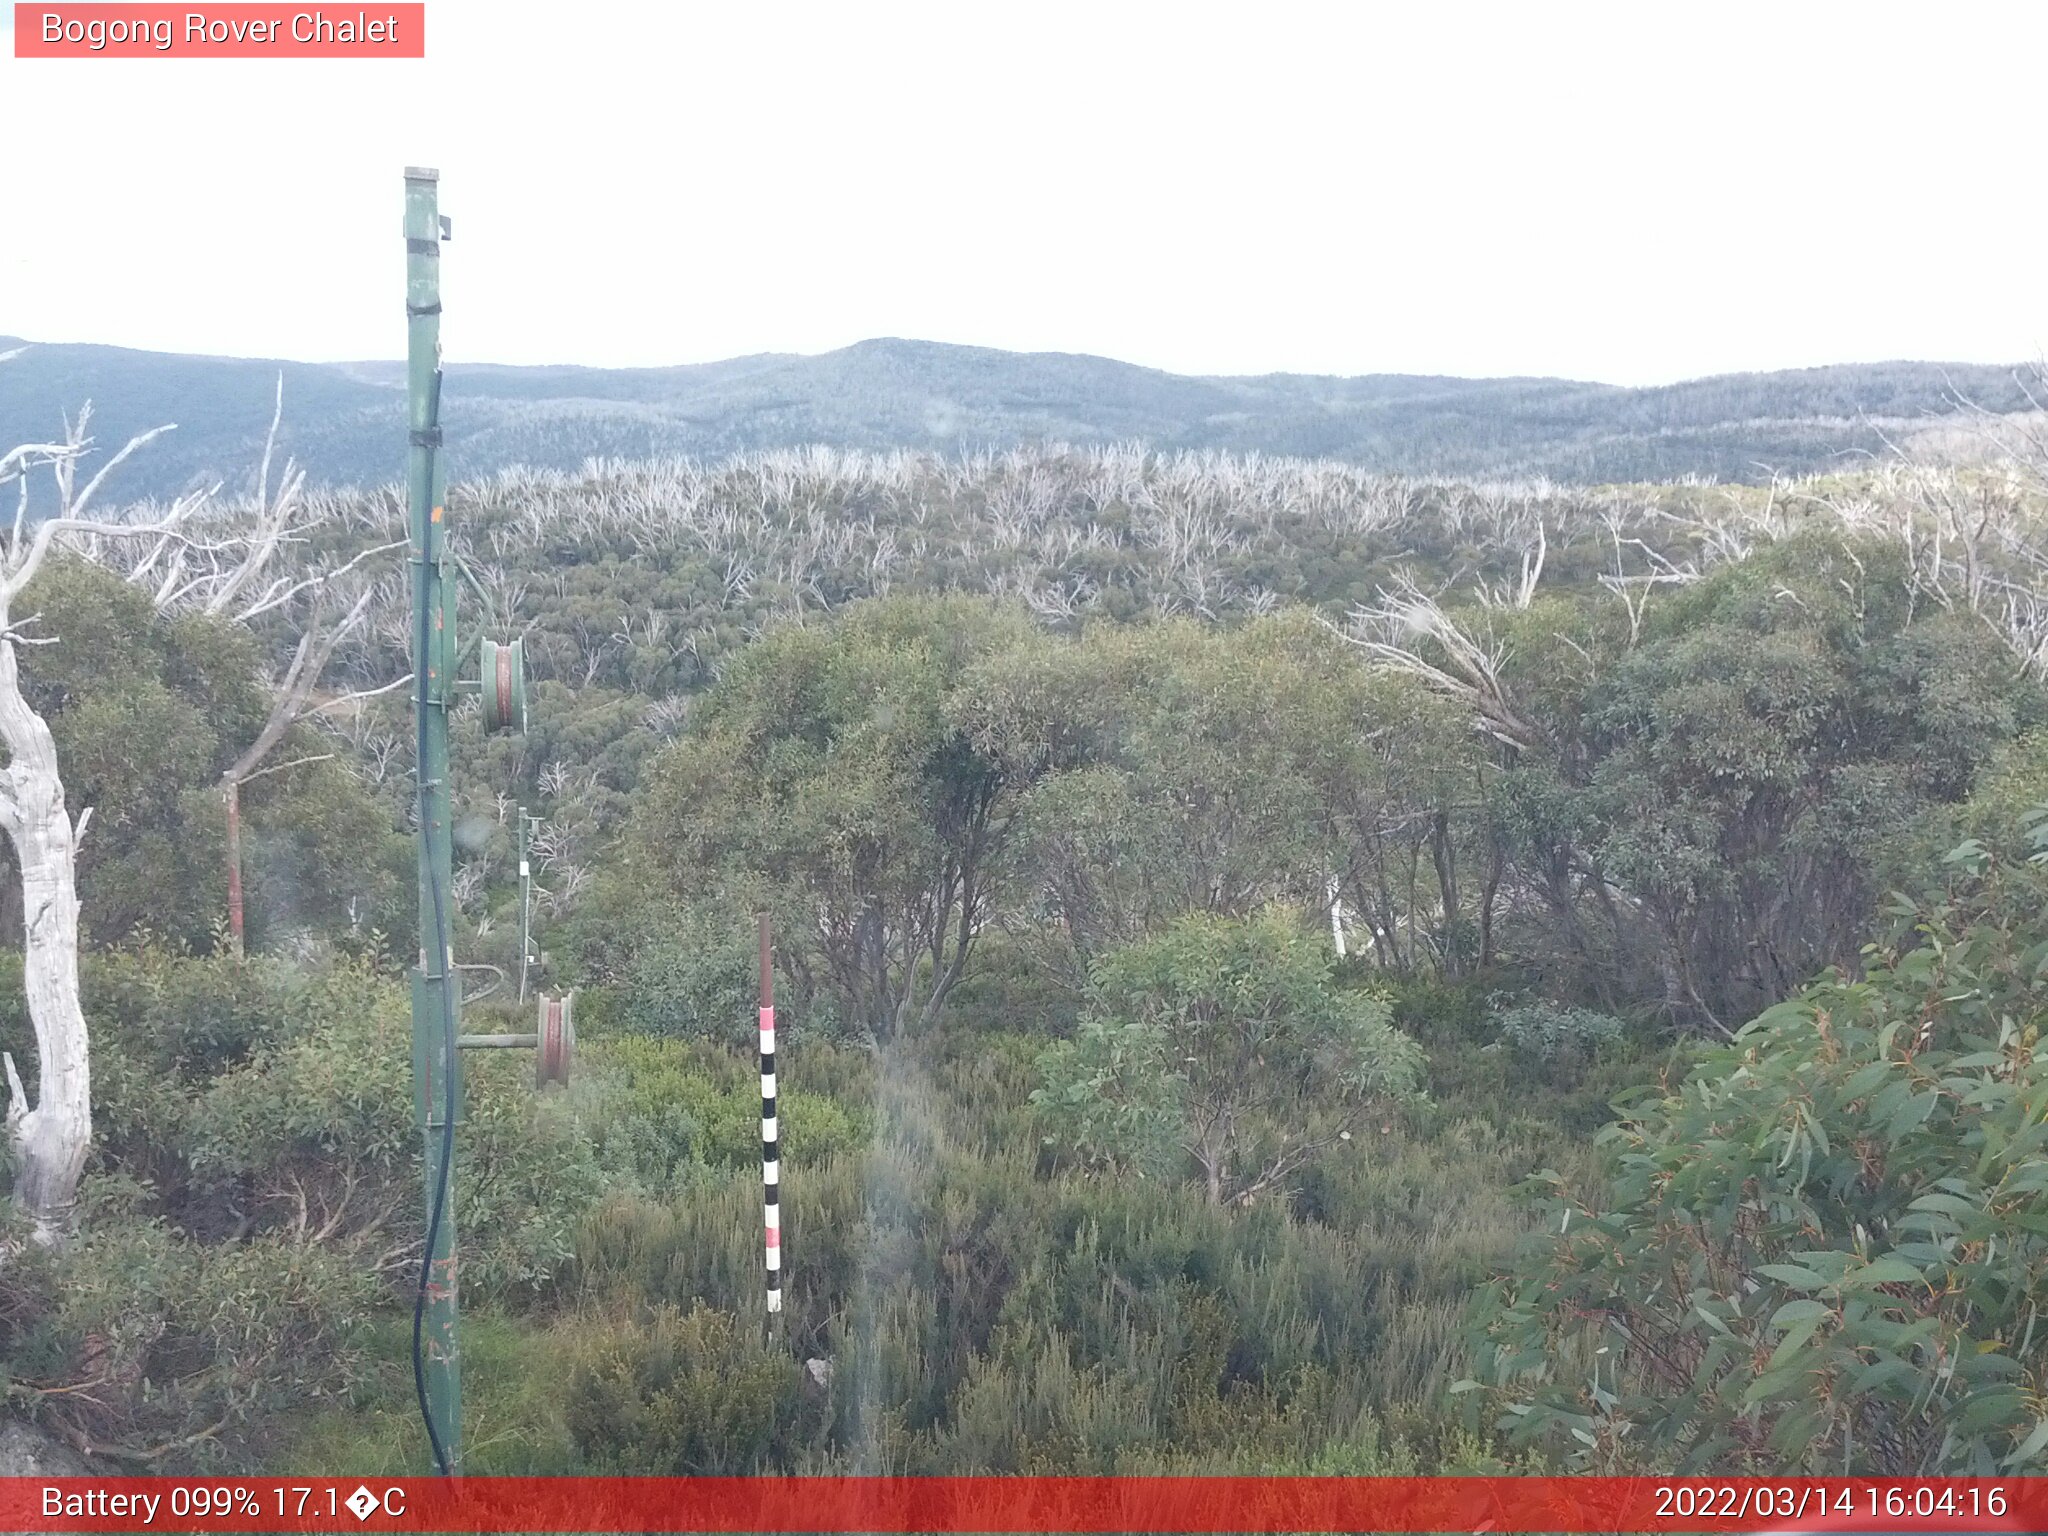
x,y
889,1505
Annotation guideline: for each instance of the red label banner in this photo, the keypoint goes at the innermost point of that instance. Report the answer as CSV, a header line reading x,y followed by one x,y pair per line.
x,y
1020,1504
234,31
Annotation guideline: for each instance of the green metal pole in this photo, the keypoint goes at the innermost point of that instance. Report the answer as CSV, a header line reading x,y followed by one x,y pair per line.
x,y
436,999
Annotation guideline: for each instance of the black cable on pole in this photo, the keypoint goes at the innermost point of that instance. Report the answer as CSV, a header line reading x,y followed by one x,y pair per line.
x,y
448,1023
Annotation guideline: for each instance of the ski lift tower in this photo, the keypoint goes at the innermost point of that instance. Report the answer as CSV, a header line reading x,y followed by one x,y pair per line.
x,y
437,1040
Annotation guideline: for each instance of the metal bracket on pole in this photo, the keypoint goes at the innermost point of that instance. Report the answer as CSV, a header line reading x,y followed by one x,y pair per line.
x,y
554,1042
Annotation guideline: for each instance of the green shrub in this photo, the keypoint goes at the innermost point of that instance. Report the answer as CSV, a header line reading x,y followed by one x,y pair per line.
x,y
1557,1036
249,1098
181,1014
528,1170
1436,1012
1222,1045
979,1315
1008,990
699,982
671,1104
681,1394
1825,1251
155,1347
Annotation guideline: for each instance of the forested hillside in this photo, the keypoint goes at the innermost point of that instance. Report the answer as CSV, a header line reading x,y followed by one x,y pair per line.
x,y
1065,774
343,418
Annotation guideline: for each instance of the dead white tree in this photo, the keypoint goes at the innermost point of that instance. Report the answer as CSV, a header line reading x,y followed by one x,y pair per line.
x,y
51,1137
1409,632
1523,593
1634,589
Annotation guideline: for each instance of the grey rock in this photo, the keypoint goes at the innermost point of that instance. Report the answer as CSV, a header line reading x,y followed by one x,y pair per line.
x,y
26,1451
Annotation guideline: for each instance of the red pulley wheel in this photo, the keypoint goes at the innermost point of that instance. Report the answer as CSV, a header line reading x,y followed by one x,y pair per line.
x,y
557,1050
503,682
503,686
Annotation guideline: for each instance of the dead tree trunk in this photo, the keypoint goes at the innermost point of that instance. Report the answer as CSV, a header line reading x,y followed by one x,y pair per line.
x,y
52,1138
232,794
1444,856
1488,895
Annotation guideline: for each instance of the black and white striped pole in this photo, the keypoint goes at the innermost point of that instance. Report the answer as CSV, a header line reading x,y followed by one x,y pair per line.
x,y
771,1153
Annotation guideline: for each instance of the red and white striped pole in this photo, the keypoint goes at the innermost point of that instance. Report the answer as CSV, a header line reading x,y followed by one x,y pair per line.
x,y
771,1156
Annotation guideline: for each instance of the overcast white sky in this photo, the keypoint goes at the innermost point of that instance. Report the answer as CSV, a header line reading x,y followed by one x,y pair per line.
x,y
1634,193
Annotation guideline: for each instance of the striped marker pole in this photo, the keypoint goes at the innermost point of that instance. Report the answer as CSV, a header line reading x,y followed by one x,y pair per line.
x,y
771,1156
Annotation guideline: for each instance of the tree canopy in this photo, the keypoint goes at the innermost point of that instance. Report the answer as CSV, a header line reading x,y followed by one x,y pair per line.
x,y
1225,1043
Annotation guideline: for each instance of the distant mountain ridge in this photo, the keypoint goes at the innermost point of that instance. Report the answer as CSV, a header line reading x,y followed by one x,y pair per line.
x,y
343,421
